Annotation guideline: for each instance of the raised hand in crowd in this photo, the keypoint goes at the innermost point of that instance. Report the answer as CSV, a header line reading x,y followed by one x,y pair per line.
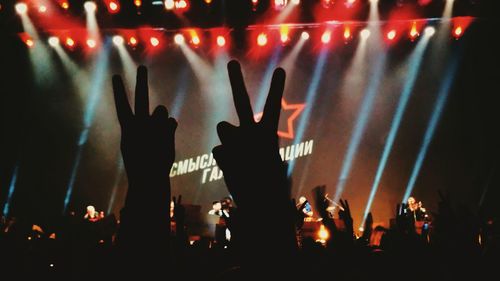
x,y
148,150
249,157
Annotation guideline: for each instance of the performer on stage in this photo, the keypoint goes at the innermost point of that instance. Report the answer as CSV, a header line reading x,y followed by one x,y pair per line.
x,y
216,209
416,210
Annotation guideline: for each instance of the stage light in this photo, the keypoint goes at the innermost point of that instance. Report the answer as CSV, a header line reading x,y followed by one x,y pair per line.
x,y
65,5
328,3
221,41
169,4
255,3
138,3
429,31
181,4
323,234
458,31
280,4
414,31
132,41
349,3
113,7
347,33
195,39
29,42
154,41
326,37
117,40
262,39
91,43
391,34
424,2
365,33
304,35
208,2
70,42
42,9
90,7
21,8
284,33
295,2
179,39
53,41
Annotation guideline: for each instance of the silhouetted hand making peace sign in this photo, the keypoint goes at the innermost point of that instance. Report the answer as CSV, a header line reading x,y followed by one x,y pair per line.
x,y
147,142
249,155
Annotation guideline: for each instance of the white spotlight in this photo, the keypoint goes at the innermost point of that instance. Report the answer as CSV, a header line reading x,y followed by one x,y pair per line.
x,y
304,35
365,33
118,40
178,39
21,8
53,41
90,6
429,31
295,2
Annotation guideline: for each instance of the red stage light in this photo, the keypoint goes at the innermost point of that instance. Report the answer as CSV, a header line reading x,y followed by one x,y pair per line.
x,y
255,3
91,43
326,37
113,7
221,41
132,41
154,41
391,34
284,30
262,39
458,31
414,31
70,42
347,33
181,4
42,9
64,5
349,3
29,42
195,39
328,3
280,4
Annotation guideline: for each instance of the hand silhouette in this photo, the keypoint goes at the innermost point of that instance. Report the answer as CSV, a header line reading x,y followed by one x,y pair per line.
x,y
345,215
252,166
147,143
249,155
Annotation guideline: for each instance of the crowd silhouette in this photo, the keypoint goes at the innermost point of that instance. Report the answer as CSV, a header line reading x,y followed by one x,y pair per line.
x,y
142,244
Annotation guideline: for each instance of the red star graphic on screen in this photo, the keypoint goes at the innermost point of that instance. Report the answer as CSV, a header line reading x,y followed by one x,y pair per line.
x,y
297,109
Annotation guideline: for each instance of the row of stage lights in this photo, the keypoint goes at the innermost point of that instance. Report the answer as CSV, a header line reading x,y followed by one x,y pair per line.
x,y
262,39
113,6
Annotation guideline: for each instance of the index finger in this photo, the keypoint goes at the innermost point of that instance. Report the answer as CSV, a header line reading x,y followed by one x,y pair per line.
x,y
240,95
